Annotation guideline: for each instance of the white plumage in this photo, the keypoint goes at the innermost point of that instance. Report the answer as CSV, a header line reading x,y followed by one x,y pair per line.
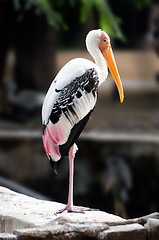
x,y
73,69
76,68
70,100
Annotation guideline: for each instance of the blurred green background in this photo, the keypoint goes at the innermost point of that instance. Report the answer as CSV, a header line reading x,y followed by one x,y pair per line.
x,y
117,165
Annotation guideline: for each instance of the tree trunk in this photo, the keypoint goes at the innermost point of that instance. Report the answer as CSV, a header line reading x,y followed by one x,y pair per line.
x,y
35,52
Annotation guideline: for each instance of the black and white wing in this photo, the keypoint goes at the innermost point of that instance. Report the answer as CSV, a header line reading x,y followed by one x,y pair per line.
x,y
69,114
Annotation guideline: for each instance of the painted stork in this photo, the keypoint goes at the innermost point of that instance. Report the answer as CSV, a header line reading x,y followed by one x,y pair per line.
x,y
70,101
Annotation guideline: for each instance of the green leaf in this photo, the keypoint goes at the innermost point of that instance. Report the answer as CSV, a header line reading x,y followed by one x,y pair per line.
x,y
16,4
108,22
54,18
86,10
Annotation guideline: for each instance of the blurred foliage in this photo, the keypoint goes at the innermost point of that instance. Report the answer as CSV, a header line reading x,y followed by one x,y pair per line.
x,y
106,19
42,7
139,4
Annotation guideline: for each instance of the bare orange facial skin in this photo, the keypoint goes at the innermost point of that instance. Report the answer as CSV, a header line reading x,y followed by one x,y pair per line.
x,y
104,41
106,50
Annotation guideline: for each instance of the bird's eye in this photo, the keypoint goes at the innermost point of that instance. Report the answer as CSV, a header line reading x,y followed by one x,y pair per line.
x,y
105,40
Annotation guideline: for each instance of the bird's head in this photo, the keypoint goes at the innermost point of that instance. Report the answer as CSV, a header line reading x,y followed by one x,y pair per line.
x,y
102,41
106,50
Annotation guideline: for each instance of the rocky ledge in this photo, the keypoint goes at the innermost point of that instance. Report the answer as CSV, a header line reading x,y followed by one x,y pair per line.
x,y
26,218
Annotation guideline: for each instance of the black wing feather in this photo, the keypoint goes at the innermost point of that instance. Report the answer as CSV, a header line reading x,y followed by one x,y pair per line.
x,y
87,82
75,133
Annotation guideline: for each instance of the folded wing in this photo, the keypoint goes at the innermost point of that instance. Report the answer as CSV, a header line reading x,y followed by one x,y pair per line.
x,y
69,113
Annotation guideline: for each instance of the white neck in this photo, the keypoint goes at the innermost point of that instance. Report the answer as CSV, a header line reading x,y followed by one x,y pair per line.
x,y
99,61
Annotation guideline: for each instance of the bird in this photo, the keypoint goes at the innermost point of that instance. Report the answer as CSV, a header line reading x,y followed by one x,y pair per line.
x,y
20,104
27,99
117,179
71,99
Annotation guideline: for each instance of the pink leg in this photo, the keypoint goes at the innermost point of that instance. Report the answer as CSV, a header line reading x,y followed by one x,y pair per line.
x,y
69,207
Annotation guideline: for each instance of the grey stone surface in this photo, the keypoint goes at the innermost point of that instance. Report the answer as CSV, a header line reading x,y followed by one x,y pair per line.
x,y
18,211
7,236
23,218
124,232
152,227
70,230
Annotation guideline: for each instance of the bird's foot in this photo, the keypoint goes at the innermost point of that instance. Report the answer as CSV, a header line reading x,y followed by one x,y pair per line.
x,y
76,209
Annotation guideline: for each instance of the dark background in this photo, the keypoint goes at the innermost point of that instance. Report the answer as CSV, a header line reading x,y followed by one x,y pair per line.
x,y
117,165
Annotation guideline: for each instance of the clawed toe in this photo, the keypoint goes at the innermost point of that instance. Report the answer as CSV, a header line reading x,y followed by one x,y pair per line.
x,y
76,209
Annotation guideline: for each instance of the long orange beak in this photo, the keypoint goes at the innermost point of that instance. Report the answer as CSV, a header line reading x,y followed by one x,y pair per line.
x,y
109,57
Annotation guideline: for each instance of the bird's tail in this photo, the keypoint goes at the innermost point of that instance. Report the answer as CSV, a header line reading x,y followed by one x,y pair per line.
x,y
51,148
55,165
